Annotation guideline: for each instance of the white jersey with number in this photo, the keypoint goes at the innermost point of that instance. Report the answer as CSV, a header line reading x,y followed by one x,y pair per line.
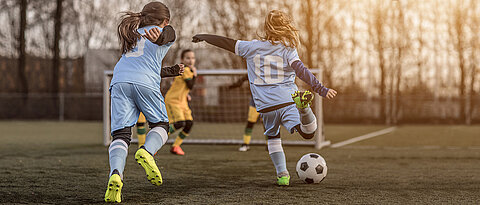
x,y
271,77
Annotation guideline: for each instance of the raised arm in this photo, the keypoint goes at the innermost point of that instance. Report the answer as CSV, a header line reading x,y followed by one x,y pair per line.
x,y
304,74
161,38
219,41
167,36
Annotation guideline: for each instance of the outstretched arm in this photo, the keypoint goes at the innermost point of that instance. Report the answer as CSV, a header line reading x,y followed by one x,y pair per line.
x,y
219,41
304,74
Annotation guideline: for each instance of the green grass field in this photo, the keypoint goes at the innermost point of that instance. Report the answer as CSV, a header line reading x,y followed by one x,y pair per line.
x,y
65,163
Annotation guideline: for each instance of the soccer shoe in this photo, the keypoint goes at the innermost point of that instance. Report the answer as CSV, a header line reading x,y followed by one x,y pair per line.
x,y
302,99
177,150
244,148
114,189
146,160
283,181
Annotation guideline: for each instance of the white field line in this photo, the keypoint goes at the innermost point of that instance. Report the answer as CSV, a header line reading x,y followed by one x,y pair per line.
x,y
363,137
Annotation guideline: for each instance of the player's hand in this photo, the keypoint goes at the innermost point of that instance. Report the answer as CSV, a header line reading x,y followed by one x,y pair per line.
x,y
196,39
182,69
153,34
331,94
189,98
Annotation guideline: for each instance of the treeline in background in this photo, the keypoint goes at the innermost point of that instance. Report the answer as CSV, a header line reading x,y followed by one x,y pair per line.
x,y
392,61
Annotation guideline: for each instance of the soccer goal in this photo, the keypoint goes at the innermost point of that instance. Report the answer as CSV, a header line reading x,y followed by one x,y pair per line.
x,y
219,102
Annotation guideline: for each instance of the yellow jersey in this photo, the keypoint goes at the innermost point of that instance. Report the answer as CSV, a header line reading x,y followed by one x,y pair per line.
x,y
177,94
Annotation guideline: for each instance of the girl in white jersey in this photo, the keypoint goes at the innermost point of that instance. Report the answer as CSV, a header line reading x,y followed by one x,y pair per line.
x,y
145,38
272,64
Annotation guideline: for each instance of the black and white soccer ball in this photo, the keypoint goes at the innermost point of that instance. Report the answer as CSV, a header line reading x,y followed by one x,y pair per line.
x,y
312,168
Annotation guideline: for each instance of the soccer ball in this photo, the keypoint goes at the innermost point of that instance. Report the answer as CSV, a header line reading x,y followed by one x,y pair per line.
x,y
312,168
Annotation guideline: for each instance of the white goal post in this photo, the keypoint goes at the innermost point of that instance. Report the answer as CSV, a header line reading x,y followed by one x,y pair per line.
x,y
319,141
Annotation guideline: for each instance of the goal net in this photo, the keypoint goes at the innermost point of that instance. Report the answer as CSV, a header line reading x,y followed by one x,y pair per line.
x,y
219,103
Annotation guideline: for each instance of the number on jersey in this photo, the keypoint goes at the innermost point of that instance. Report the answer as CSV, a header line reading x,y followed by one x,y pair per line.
x,y
267,70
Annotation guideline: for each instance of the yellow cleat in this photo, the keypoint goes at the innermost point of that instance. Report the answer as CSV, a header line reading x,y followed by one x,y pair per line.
x,y
146,160
114,189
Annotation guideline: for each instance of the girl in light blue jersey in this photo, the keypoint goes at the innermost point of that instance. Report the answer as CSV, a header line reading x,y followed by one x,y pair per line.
x,y
272,65
145,38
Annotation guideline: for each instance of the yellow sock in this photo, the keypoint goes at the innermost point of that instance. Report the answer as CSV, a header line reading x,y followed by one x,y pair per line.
x,y
141,129
141,139
178,142
246,139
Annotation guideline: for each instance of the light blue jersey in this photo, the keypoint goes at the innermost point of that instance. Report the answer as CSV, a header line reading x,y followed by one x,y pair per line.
x,y
141,65
135,85
271,77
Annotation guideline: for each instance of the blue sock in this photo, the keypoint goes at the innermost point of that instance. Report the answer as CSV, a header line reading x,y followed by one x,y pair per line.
x,y
155,139
117,154
278,156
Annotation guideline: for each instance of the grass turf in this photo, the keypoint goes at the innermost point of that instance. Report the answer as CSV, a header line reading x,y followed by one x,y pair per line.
x,y
51,162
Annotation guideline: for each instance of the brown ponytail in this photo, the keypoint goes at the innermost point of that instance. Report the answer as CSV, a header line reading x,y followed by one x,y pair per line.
x,y
153,13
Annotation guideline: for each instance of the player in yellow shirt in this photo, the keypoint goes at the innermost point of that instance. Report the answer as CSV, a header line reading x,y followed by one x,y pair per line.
x,y
176,100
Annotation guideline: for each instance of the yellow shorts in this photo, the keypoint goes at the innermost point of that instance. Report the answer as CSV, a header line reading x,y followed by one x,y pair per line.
x,y
141,118
252,114
177,113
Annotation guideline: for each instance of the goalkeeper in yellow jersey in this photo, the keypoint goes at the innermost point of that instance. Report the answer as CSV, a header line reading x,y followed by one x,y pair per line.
x,y
176,100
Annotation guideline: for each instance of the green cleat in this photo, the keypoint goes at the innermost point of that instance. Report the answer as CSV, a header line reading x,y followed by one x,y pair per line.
x,y
146,160
114,189
303,99
283,181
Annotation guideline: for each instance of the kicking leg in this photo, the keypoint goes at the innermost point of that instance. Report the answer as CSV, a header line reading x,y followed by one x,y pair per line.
x,y
308,120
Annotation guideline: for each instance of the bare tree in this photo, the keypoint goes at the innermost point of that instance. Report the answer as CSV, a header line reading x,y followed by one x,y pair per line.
x,y
23,88
401,43
459,37
56,46
377,32
474,59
